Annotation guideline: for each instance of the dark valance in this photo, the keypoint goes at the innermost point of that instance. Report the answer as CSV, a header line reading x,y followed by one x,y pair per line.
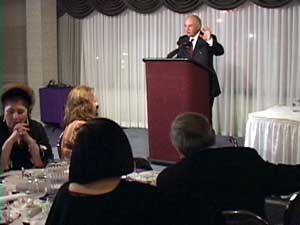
x,y
82,8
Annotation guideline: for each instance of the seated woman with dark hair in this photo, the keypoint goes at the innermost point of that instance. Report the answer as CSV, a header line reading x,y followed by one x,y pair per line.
x,y
95,193
23,141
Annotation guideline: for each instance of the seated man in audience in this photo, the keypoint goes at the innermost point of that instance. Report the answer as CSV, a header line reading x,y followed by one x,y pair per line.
x,y
24,142
232,178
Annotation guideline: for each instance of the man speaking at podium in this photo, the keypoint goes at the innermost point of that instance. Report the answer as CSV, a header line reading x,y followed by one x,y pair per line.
x,y
200,45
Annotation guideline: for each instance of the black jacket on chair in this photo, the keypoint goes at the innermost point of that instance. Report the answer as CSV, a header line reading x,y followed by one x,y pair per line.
x,y
203,54
230,178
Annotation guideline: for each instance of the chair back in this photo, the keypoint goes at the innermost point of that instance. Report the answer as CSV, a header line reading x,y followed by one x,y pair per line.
x,y
141,164
292,213
275,207
233,140
59,144
242,217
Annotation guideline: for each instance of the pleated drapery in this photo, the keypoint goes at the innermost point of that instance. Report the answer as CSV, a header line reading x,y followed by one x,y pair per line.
x,y
82,8
260,67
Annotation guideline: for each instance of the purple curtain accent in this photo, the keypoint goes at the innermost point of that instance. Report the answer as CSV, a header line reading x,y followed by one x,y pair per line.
x,y
82,8
144,6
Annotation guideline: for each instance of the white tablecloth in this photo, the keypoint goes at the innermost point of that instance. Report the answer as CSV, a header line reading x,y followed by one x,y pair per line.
x,y
275,134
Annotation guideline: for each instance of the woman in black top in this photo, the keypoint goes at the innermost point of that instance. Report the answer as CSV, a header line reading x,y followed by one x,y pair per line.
x,y
95,193
23,141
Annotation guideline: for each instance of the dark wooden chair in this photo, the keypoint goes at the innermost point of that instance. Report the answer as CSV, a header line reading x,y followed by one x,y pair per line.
x,y
242,217
141,164
292,213
59,144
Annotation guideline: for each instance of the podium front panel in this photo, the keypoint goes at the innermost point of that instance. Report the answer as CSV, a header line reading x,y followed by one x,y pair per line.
x,y
172,88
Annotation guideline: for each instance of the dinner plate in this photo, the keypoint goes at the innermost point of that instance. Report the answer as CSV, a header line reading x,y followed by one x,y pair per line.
x,y
148,177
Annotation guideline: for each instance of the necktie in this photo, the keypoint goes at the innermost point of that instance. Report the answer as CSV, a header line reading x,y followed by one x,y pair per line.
x,y
191,48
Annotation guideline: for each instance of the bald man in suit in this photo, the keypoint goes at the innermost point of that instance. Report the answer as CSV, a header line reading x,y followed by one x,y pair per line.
x,y
201,45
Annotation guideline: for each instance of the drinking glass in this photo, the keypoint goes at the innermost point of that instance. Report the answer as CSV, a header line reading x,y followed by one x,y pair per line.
x,y
57,175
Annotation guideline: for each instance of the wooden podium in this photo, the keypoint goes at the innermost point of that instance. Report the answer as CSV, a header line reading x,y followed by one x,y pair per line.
x,y
174,86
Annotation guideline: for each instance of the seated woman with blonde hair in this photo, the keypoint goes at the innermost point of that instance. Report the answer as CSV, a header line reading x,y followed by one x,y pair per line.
x,y
82,105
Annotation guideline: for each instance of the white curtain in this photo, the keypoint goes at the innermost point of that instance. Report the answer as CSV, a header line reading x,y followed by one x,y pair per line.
x,y
260,67
69,50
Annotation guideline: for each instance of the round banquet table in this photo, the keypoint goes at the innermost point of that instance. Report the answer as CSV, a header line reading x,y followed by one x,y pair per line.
x,y
275,134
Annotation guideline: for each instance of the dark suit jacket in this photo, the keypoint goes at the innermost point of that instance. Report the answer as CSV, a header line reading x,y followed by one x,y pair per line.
x,y
230,178
203,54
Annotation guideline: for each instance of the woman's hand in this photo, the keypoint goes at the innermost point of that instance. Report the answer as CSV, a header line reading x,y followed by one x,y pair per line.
x,y
16,137
20,132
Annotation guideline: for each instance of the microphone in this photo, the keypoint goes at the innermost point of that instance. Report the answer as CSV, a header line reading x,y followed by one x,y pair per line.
x,y
185,44
173,53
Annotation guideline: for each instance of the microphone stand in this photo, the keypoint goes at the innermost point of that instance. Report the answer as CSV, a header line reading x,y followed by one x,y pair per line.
x,y
173,53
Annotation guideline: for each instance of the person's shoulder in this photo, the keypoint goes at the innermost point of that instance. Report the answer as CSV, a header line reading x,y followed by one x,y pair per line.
x,y
77,123
35,123
74,126
224,155
246,150
2,122
229,149
245,154
174,173
175,167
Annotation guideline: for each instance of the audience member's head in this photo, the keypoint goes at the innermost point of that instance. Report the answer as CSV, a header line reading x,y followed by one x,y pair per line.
x,y
17,102
82,104
101,150
191,132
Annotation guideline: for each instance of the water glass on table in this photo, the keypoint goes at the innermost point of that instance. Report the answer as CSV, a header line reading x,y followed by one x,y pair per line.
x,y
57,175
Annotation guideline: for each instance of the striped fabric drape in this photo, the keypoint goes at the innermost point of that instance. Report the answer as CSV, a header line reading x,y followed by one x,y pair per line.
x,y
82,8
260,67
